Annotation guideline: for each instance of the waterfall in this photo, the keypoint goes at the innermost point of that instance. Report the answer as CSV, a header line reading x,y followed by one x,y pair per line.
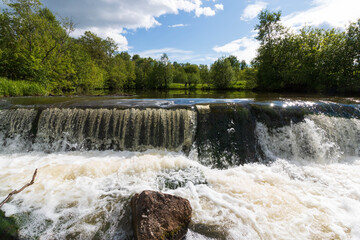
x,y
319,138
219,135
55,129
251,170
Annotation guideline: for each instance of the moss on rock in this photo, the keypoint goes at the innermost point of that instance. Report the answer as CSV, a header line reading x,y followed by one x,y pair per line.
x,y
8,227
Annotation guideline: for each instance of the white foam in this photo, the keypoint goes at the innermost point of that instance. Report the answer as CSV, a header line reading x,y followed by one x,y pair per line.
x,y
319,138
85,194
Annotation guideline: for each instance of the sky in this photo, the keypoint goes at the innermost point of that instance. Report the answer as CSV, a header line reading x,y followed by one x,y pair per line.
x,y
195,31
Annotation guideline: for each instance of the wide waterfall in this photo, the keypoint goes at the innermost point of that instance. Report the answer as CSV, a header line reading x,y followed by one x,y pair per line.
x,y
134,129
251,170
223,135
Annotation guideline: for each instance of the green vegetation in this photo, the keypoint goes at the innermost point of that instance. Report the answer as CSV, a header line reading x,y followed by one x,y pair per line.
x,y
8,227
312,60
21,88
240,85
39,57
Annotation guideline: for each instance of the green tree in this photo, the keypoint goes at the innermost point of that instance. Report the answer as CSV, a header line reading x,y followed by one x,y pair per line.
x,y
35,45
192,73
143,70
193,79
270,32
205,77
352,71
161,75
100,50
87,74
243,65
222,73
164,72
180,75
121,73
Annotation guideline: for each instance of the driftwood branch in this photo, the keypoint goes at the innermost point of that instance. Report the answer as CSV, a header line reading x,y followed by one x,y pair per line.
x,y
17,191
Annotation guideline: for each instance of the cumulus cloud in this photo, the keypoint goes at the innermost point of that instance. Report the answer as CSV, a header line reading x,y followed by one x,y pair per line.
x,y
110,17
252,10
243,48
336,13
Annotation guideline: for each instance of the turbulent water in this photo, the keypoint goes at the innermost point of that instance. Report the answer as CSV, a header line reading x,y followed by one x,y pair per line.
x,y
298,176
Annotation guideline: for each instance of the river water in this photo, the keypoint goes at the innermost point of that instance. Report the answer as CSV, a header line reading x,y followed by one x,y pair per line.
x,y
278,168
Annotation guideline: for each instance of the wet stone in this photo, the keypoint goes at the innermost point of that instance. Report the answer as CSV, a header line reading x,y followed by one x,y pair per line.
x,y
160,216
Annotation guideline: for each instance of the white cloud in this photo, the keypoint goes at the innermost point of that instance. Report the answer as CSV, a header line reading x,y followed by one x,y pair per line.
x,y
114,33
178,25
243,48
156,53
336,13
109,18
252,10
219,6
207,11
179,55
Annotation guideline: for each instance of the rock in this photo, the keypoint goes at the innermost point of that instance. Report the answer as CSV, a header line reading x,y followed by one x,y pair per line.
x,y
157,215
8,227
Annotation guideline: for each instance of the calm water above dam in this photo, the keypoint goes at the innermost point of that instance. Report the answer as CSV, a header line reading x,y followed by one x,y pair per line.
x,y
252,166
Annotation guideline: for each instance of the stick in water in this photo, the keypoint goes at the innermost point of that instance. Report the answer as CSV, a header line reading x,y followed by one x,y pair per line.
x,y
17,191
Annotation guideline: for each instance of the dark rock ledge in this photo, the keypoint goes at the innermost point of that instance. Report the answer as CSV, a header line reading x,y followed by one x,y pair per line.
x,y
157,215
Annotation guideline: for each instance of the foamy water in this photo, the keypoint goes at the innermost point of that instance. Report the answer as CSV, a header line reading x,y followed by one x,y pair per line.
x,y
86,195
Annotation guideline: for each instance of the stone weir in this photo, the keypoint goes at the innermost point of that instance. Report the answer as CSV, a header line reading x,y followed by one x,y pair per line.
x,y
222,134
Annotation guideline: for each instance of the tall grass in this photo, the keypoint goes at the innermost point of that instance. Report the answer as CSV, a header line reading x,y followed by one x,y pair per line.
x,y
10,88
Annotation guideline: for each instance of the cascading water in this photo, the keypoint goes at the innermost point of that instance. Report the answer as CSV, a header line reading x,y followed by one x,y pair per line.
x,y
267,170
134,129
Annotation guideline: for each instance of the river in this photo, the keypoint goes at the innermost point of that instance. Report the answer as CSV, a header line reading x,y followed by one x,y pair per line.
x,y
252,167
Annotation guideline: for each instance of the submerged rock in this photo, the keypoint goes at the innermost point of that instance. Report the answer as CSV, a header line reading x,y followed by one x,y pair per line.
x,y
160,216
8,227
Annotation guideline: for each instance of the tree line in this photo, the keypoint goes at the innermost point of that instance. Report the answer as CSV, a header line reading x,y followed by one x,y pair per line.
x,y
37,50
36,47
310,60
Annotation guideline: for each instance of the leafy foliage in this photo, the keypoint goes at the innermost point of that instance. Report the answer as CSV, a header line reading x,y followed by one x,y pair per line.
x,y
313,60
38,56
222,73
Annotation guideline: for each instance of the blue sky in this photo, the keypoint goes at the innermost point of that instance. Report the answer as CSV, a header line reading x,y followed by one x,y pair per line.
x,y
196,31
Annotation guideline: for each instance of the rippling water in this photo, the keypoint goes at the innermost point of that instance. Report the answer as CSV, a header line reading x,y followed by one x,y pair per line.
x,y
309,188
85,195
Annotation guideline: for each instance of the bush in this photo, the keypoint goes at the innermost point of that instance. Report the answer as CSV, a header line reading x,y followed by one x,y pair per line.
x,y
10,88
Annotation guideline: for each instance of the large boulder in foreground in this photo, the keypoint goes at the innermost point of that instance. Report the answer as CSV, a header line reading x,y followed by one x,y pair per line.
x,y
157,215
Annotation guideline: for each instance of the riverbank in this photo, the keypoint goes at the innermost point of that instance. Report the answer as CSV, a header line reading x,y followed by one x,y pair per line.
x,y
11,88
239,85
19,88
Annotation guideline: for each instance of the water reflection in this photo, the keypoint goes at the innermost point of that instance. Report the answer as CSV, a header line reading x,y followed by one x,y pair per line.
x,y
103,98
